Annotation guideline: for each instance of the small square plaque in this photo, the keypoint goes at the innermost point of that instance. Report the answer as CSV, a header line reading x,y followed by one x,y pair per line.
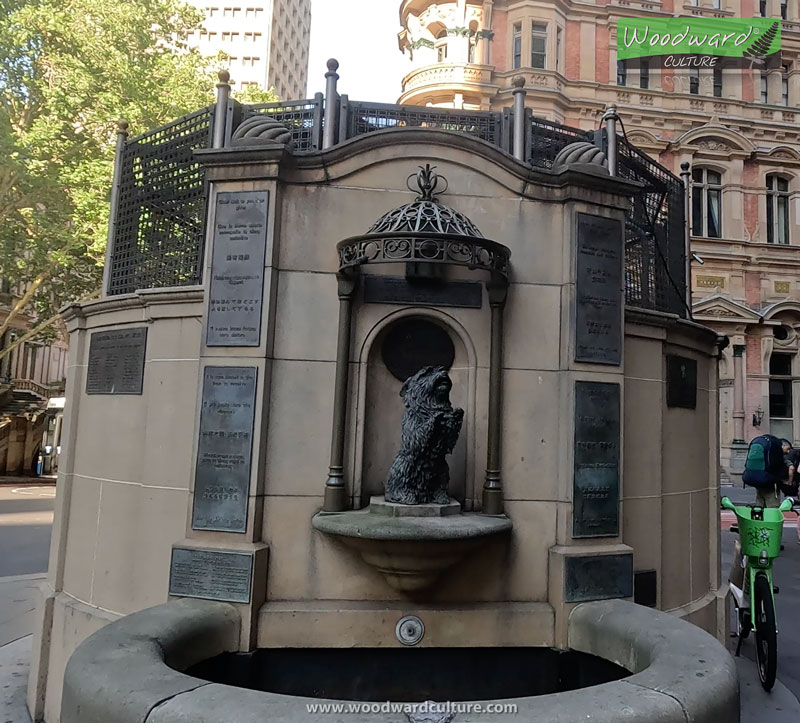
x,y
598,577
681,382
211,574
116,361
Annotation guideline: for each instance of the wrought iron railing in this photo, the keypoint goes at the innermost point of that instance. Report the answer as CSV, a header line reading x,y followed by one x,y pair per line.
x,y
359,118
655,249
161,208
159,228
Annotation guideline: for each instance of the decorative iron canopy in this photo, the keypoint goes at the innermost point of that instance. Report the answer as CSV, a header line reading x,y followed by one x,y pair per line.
x,y
425,230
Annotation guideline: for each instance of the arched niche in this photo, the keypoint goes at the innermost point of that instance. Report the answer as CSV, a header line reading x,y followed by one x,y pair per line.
x,y
381,408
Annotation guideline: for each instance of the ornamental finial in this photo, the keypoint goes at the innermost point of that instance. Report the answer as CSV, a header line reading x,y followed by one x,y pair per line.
x,y
427,182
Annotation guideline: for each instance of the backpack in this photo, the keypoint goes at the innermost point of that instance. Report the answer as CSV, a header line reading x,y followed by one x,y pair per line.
x,y
764,464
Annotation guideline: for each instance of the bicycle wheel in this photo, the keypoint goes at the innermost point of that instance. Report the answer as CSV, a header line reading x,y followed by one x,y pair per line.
x,y
766,634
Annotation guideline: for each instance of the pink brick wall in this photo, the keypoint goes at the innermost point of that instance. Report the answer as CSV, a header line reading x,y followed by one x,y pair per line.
x,y
601,74
572,50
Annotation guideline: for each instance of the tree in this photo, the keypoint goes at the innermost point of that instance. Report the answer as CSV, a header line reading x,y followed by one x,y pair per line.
x,y
69,70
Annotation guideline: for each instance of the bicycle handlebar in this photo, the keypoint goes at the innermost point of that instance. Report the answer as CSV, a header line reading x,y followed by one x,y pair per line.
x,y
785,506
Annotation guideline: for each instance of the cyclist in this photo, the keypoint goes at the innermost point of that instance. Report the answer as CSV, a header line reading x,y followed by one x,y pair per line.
x,y
765,469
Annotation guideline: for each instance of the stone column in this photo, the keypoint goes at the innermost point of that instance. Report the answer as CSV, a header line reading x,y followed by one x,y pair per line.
x,y
493,487
335,493
774,86
482,52
738,394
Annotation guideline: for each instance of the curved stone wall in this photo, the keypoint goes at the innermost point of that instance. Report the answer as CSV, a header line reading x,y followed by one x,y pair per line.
x,y
130,672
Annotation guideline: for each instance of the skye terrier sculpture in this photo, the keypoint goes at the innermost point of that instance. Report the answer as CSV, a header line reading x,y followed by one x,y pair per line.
x,y
419,473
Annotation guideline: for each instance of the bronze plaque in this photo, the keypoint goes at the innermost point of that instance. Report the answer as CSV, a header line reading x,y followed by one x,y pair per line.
x,y
397,290
236,292
595,497
681,382
211,574
116,361
599,292
598,577
222,476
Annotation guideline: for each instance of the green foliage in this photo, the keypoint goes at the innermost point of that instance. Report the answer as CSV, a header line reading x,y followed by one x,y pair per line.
x,y
254,94
69,70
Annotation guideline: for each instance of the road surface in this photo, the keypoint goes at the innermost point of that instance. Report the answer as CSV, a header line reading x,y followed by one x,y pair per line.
x,y
26,518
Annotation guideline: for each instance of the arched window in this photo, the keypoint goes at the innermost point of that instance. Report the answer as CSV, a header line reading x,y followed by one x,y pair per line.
x,y
777,209
441,45
706,203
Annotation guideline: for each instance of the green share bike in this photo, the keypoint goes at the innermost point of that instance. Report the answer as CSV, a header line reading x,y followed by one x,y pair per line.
x,y
760,531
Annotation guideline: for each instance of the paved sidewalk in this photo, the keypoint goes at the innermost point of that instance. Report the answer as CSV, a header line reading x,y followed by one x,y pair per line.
x,y
17,596
758,706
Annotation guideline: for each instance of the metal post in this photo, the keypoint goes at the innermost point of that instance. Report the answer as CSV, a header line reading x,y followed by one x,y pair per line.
x,y
687,186
610,117
492,501
331,104
221,111
335,494
122,136
519,117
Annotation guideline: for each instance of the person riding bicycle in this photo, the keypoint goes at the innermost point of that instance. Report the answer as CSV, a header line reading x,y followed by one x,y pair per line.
x,y
766,469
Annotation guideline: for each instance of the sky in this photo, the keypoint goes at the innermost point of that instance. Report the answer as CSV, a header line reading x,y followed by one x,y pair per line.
x,y
362,36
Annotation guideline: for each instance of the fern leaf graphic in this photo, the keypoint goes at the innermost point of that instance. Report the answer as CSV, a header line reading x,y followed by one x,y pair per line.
x,y
760,47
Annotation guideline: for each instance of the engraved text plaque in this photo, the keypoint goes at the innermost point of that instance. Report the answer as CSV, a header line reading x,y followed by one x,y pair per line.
x,y
595,499
211,574
598,323
222,477
116,361
396,290
598,577
237,269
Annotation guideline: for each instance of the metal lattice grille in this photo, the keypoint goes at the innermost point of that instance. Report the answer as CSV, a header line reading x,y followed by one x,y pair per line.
x,y
158,239
655,253
547,139
301,117
367,117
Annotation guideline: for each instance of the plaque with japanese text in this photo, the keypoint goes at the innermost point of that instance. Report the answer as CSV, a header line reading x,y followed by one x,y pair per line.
x,y
211,574
595,498
116,361
222,476
237,269
599,293
598,577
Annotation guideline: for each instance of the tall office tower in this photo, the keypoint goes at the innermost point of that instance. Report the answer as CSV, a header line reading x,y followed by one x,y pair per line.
x,y
267,42
739,130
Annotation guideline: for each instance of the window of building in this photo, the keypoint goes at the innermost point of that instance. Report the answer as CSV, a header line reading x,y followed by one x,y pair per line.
x,y
780,396
441,45
622,73
694,81
516,45
784,8
777,209
716,4
706,203
785,85
212,12
764,95
762,8
538,45
693,3
558,49
644,73
718,82
226,12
